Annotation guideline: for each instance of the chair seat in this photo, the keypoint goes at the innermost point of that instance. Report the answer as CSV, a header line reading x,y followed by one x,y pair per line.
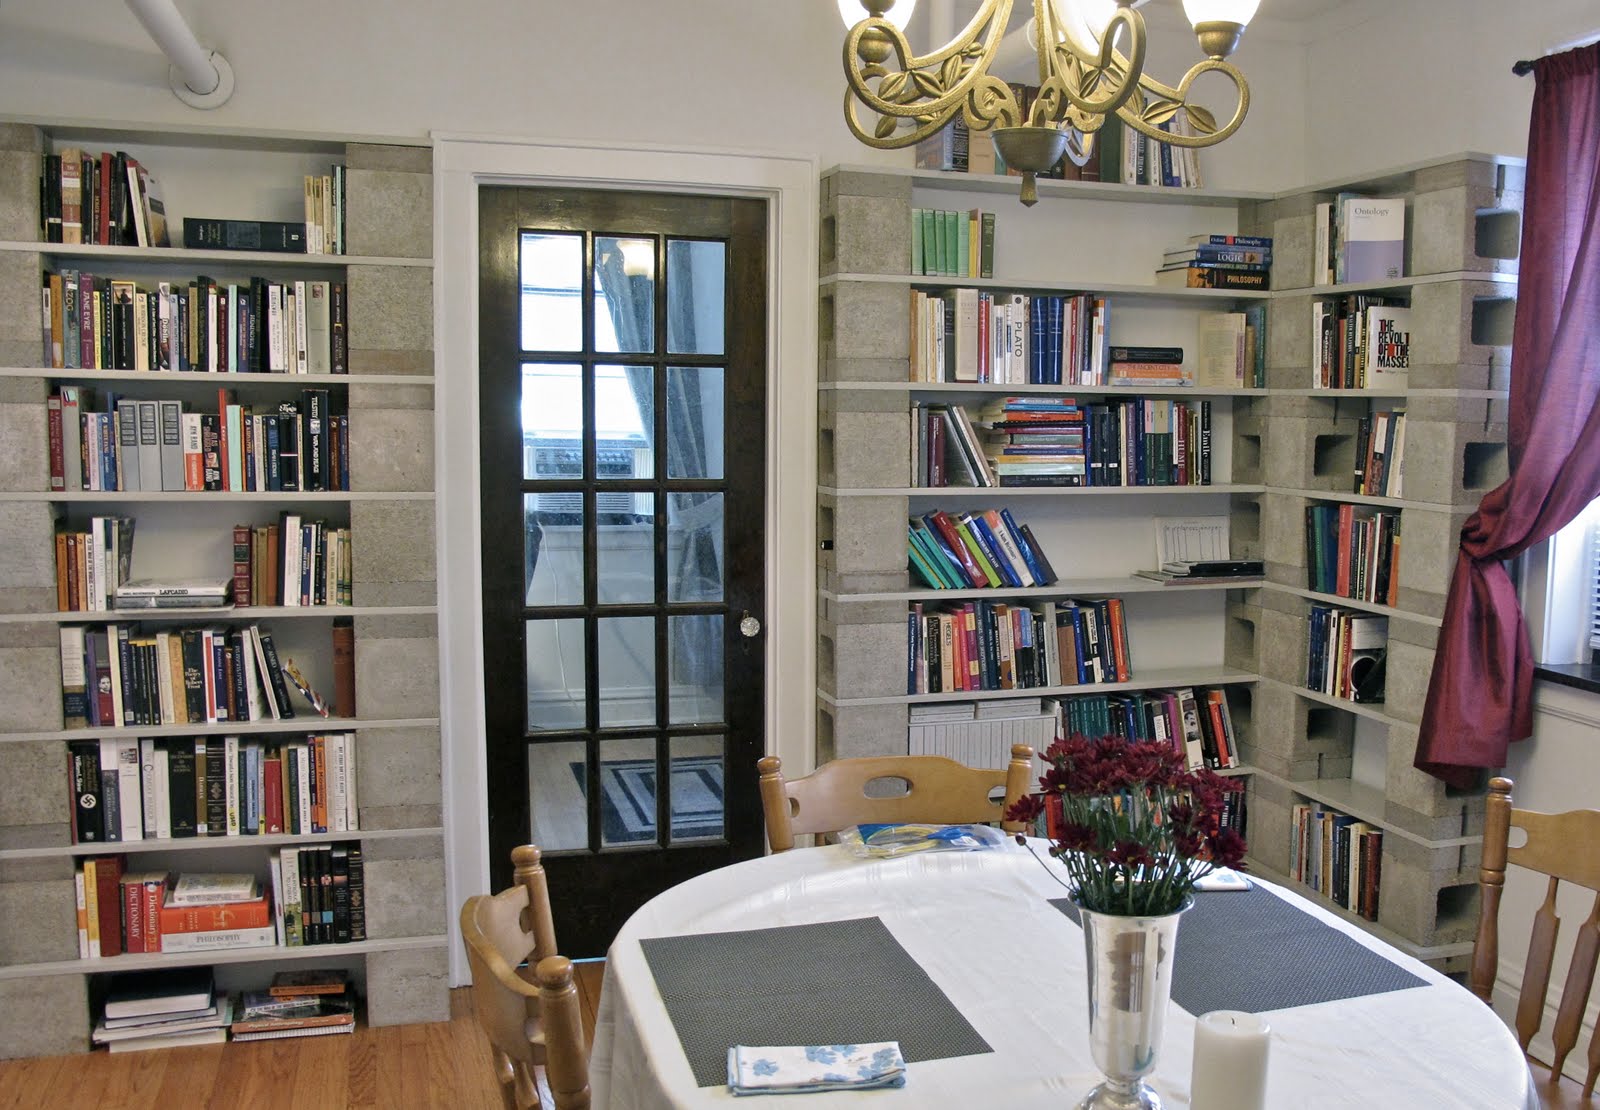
x,y
1558,1092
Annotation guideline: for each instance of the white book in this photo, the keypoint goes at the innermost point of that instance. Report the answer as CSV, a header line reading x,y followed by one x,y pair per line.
x,y
1372,243
264,937
274,333
289,918
966,335
1222,343
173,1040
300,333
163,793
210,309
164,677
269,698
1321,271
228,349
275,877
196,888
254,710
164,305
352,809
129,791
302,758
193,448
335,749
141,330
230,756
319,329
94,590
147,779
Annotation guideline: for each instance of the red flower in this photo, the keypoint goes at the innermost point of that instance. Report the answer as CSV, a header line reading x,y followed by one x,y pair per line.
x,y
1025,809
1227,849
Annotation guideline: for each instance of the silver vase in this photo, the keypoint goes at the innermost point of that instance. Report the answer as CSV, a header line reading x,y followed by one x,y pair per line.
x,y
1130,983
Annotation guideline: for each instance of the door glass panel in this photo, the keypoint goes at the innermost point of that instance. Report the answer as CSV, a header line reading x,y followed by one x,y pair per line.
x,y
694,547
696,787
627,680
624,420
557,789
627,791
626,549
552,420
694,422
552,546
624,295
695,304
555,674
552,291
694,659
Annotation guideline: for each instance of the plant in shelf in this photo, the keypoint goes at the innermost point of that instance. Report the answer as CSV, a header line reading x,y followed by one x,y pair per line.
x,y
1135,830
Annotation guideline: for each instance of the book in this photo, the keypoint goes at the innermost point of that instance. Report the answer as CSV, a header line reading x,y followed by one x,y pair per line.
x,y
220,940
213,1017
217,1035
1372,238
244,235
1198,277
303,981
163,991
276,1034
1221,360
195,888
1215,568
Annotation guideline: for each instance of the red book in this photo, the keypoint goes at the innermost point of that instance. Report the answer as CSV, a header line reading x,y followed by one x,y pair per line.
x,y
1219,730
132,914
241,564
952,538
215,916
1119,639
272,792
108,890
969,625
1342,579
224,399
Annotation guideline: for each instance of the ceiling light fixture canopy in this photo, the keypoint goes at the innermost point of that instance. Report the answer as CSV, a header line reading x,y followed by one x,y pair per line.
x,y
1084,78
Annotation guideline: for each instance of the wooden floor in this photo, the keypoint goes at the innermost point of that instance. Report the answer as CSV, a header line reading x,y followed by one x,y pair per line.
x,y
443,1064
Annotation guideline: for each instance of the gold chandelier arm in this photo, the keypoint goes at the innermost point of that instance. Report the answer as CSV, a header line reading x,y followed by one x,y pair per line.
x,y
1082,74
928,89
1146,113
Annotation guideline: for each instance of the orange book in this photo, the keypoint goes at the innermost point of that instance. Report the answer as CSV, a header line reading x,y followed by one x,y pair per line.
x,y
1394,565
1119,638
216,916
63,562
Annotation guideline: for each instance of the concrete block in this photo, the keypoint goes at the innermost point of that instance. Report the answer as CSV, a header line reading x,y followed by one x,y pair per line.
x,y
33,771
1405,631
855,730
44,1016
847,611
408,986
388,157
30,563
36,669
24,391
862,660
389,214
864,183
391,450
24,464
862,369
365,397
1283,527
1280,640
1244,525
1464,323
1464,227
397,678
397,767
393,552
831,401
19,195
405,897
391,309
868,534
20,343
40,920
867,234
1289,340
862,450
1239,637
828,580
1268,834
1406,675
1429,544
1292,249
403,627
1453,455
870,320
1412,792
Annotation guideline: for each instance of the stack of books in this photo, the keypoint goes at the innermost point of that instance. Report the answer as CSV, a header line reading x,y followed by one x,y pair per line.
x,y
1219,262
1150,367
207,912
163,1009
310,1003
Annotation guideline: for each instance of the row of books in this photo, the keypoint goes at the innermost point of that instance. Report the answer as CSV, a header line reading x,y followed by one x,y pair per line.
x,y
1354,552
946,243
179,1007
1381,454
977,549
1358,238
270,568
967,335
1218,261
322,232
169,788
985,645
1338,856
255,326
1140,441
1346,653
1360,341
92,564
1198,724
123,675
104,197
139,445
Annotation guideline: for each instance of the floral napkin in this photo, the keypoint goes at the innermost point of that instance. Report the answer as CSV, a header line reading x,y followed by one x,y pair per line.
x,y
803,1069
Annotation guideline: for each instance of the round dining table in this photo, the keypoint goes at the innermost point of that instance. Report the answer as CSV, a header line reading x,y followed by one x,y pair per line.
x,y
988,929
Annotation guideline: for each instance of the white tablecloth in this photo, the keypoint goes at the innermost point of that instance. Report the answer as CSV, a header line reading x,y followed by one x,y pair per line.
x,y
980,924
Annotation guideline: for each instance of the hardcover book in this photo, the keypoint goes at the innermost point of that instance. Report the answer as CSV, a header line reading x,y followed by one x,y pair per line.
x,y
244,235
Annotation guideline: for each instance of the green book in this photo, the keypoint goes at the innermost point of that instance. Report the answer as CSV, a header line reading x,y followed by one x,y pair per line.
x,y
916,240
963,245
986,246
953,264
976,551
930,241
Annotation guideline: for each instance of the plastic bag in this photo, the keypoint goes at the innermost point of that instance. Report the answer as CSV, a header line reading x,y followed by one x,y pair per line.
x,y
887,841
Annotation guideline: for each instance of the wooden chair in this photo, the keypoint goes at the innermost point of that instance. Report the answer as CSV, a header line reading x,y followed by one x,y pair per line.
x,y
1566,847
532,1017
834,796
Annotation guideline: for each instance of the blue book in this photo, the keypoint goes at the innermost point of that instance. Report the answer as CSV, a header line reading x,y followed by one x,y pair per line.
x,y
1053,359
992,549
1257,242
1038,340
929,560
1029,556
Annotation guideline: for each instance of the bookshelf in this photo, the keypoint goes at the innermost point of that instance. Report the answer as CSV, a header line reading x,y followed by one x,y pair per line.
x,y
1276,450
45,989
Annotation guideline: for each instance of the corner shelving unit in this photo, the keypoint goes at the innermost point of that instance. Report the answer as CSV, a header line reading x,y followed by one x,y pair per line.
x,y
45,990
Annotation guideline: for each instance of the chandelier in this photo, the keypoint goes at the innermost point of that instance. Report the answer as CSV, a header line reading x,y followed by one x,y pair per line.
x,y
1083,79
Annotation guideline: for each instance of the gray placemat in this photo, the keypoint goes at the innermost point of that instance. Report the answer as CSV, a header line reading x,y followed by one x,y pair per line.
x,y
1252,951
835,982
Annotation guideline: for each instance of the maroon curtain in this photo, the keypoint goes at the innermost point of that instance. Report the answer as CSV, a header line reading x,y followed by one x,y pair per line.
x,y
1480,695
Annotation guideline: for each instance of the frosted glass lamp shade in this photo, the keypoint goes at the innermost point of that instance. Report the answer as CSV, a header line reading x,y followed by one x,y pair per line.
x,y
1220,11
852,12
1084,21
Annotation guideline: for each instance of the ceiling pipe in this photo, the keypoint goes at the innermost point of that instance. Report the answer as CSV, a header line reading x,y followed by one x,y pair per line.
x,y
199,77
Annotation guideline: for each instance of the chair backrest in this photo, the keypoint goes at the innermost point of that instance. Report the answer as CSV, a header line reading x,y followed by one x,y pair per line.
x,y
834,796
526,1001
1565,847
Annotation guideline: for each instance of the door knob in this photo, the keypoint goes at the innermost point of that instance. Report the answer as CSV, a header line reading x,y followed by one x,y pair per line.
x,y
750,626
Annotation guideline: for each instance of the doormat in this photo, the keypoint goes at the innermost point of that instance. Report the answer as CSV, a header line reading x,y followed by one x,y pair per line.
x,y
628,800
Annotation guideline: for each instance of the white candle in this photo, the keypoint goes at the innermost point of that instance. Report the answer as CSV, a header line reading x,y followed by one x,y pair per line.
x,y
1230,1062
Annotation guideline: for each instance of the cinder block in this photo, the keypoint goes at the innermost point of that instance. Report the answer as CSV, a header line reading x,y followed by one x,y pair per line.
x,y
1292,247
19,195
391,450
408,986
868,534
30,562
1406,673
39,916
1289,340
20,342
869,320
1427,895
1283,517
33,771
1239,647
388,157
1415,632
860,583
36,669
1425,805
1244,525
393,552
389,213
1280,640
1451,225
24,464
846,611
862,660
1429,544
1454,452
1268,833
867,234
861,369
865,450
391,310
847,731
405,897
1316,453
364,396
1460,323
24,391
44,1016
397,678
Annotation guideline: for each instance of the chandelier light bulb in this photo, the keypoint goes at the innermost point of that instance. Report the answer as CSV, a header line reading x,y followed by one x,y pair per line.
x,y
853,12
1219,11
1084,21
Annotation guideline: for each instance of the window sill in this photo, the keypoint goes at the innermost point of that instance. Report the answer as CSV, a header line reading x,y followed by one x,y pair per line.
x,y
1580,676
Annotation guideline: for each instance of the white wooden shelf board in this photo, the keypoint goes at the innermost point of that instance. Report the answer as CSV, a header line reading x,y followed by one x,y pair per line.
x,y
226,612
210,843
245,259
1080,587
1039,491
304,722
201,378
1147,680
1006,389
1352,603
940,181
139,961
